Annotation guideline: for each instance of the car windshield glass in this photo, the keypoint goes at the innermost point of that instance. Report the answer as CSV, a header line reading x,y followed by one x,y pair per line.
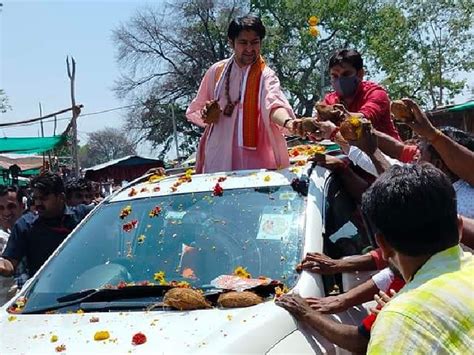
x,y
194,237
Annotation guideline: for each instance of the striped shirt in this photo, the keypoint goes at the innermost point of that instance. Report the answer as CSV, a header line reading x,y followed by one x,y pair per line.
x,y
433,313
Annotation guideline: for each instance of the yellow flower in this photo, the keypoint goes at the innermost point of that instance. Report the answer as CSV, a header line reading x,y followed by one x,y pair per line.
x,y
141,239
313,20
313,31
267,178
160,277
101,335
281,291
242,272
357,124
189,172
155,178
11,318
54,338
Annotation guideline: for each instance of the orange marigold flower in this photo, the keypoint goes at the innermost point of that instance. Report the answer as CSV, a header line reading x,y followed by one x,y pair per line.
x,y
125,212
155,211
60,348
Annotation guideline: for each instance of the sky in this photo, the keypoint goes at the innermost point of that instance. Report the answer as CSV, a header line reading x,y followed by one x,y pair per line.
x,y
35,38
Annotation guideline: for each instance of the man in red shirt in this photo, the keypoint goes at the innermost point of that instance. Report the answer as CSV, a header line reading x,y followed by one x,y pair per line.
x,y
359,97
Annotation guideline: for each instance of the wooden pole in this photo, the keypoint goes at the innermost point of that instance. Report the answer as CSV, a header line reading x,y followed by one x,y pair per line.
x,y
42,128
71,72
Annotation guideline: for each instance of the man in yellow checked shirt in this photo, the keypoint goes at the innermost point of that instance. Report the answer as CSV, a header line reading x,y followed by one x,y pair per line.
x,y
412,211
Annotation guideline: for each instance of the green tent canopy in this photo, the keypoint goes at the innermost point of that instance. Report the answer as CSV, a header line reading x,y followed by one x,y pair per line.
x,y
30,144
462,107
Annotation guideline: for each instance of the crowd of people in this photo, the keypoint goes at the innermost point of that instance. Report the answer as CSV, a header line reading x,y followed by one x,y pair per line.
x,y
34,221
417,200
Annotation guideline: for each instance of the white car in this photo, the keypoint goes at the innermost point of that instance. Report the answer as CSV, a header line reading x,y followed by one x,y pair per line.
x,y
102,277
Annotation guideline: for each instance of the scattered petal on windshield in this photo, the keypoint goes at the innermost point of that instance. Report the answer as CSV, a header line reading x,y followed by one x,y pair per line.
x,y
144,189
155,211
156,189
139,339
80,311
54,338
188,273
218,190
101,335
60,348
132,192
125,212
267,178
160,277
127,227
222,179
11,318
94,319
229,316
141,239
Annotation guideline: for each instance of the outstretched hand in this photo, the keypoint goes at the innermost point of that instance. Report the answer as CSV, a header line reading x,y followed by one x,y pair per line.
x,y
382,299
367,142
320,264
294,304
328,305
420,124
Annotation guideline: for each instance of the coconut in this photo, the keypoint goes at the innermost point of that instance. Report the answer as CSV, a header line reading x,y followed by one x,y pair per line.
x,y
185,299
213,112
401,111
239,299
329,113
308,125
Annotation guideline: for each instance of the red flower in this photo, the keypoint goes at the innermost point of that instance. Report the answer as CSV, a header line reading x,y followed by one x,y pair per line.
x,y
127,227
122,284
155,211
218,190
139,339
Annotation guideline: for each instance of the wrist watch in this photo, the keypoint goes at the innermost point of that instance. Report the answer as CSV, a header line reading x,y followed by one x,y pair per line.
x,y
286,122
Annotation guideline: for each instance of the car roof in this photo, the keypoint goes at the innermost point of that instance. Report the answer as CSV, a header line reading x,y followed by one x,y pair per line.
x,y
153,185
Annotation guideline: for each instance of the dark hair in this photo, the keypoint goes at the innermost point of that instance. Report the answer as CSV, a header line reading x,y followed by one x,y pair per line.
x,y
247,22
48,183
76,185
4,190
414,208
349,56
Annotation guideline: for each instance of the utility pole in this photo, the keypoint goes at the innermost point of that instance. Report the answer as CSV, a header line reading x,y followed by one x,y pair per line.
x,y
175,132
71,72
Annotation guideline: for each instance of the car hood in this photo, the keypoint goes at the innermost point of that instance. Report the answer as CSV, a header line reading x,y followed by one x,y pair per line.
x,y
245,330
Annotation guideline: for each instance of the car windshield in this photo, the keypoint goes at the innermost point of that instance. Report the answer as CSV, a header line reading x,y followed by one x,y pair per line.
x,y
194,237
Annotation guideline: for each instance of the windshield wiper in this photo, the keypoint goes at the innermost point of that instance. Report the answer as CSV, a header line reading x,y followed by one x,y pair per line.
x,y
103,295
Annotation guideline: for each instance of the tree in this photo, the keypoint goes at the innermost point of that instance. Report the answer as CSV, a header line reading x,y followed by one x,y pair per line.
x,y
4,106
105,145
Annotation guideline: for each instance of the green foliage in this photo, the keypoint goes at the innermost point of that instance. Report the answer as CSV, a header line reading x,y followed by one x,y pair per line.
x,y
4,106
414,48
